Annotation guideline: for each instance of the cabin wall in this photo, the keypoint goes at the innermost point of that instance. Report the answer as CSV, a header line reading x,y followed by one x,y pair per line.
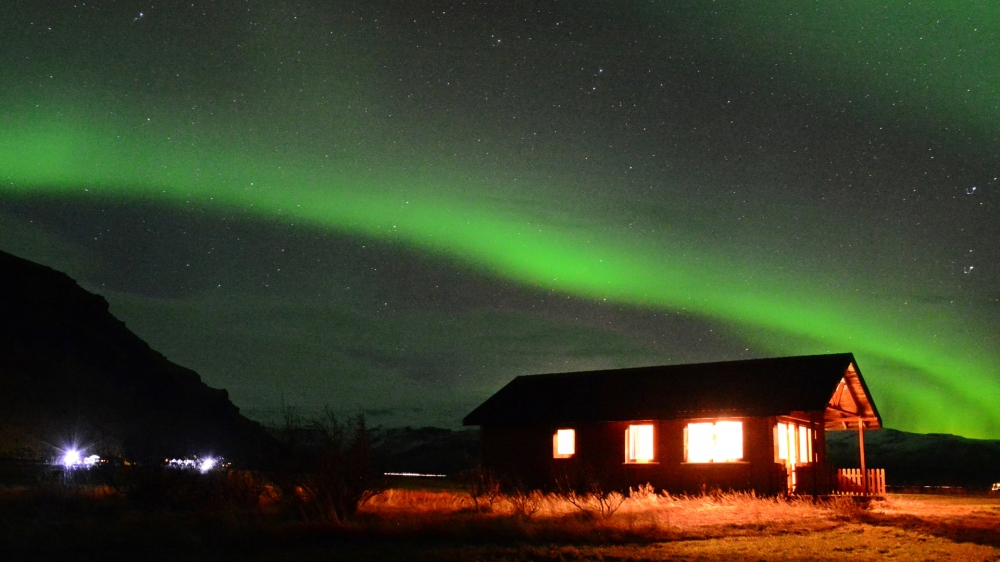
x,y
524,456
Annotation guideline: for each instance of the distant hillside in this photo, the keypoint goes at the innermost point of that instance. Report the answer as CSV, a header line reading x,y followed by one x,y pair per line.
x,y
70,371
427,450
913,459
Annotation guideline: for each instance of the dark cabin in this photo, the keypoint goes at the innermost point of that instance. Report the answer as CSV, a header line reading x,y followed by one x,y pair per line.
x,y
738,425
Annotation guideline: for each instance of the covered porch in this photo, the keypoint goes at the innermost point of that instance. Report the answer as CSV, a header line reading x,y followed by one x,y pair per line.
x,y
851,409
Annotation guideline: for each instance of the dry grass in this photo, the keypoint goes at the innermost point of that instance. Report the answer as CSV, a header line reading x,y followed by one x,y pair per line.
x,y
716,526
641,516
446,524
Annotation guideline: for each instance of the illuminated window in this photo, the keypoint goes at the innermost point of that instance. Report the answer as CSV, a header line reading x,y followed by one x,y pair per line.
x,y
564,443
781,435
639,443
805,450
720,441
794,443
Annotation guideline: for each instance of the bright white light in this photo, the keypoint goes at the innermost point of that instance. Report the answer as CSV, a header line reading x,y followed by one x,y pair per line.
x,y
714,442
728,441
700,442
202,465
565,443
71,458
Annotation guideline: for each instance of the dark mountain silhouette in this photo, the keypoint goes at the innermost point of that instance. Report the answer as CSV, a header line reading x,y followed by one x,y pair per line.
x,y
914,459
71,373
426,450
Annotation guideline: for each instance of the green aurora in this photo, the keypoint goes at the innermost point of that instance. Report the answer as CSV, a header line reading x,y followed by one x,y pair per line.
x,y
76,161
921,364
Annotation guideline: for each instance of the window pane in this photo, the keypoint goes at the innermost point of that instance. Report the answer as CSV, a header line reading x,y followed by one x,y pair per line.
x,y
566,442
782,441
804,444
792,454
640,443
700,442
728,441
714,442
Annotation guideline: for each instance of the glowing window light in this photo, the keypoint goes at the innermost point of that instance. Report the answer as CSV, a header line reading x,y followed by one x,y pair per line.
x,y
639,443
564,443
794,443
782,441
790,436
700,442
713,442
728,441
805,444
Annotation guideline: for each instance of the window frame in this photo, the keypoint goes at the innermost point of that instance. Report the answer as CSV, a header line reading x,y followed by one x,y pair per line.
x,y
632,446
790,435
714,423
556,454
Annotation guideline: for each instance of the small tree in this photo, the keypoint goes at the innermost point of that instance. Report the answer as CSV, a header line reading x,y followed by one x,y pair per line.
x,y
589,494
483,487
334,473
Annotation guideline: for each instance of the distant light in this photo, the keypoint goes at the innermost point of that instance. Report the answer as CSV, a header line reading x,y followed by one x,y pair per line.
x,y
202,465
996,487
416,474
71,458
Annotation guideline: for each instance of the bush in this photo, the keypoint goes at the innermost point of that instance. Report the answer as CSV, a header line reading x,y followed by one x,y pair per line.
x,y
330,473
483,487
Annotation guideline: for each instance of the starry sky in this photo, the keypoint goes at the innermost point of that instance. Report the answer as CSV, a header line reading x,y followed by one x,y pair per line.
x,y
395,207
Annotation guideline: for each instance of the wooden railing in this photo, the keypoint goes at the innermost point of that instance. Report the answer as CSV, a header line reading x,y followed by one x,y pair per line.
x,y
850,482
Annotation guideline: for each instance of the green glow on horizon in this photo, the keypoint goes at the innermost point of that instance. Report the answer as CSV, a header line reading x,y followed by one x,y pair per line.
x,y
949,386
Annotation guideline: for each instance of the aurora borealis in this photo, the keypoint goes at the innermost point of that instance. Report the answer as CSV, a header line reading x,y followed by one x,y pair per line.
x,y
398,207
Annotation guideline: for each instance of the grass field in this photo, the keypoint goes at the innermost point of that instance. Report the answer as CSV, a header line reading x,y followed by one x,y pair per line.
x,y
411,522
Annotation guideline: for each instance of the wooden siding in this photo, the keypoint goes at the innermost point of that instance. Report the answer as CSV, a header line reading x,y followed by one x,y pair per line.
x,y
522,456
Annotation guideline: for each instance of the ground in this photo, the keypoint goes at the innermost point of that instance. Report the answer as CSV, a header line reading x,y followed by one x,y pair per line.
x,y
408,522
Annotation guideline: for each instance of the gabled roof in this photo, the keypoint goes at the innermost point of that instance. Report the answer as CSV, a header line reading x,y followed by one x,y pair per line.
x,y
757,387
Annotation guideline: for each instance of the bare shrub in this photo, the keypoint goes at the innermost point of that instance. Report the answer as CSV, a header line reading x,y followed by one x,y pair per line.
x,y
483,486
596,502
525,503
331,472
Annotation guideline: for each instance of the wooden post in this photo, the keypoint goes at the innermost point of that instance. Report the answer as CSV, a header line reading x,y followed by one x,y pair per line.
x,y
861,446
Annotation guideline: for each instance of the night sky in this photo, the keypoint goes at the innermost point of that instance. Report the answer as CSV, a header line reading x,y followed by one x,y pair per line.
x,y
397,206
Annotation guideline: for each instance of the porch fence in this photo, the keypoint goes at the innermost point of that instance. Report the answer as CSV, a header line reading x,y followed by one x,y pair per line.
x,y
850,482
